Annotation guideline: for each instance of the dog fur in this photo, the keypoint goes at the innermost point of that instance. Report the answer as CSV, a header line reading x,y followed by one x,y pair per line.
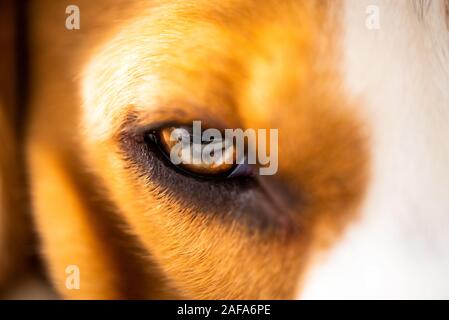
x,y
351,138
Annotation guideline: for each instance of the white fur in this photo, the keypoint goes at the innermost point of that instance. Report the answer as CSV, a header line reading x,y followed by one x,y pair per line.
x,y
399,248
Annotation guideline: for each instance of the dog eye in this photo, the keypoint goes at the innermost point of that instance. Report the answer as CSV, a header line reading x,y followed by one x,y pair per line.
x,y
204,154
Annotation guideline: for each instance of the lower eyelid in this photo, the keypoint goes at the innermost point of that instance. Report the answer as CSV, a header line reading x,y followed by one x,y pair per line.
x,y
240,199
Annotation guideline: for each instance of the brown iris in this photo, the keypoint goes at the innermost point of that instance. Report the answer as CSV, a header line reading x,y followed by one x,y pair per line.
x,y
179,142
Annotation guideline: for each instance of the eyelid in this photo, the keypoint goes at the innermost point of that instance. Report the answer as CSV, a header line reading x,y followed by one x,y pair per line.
x,y
167,114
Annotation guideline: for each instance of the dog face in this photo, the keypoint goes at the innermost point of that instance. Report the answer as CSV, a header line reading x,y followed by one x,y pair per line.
x,y
232,65
347,102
